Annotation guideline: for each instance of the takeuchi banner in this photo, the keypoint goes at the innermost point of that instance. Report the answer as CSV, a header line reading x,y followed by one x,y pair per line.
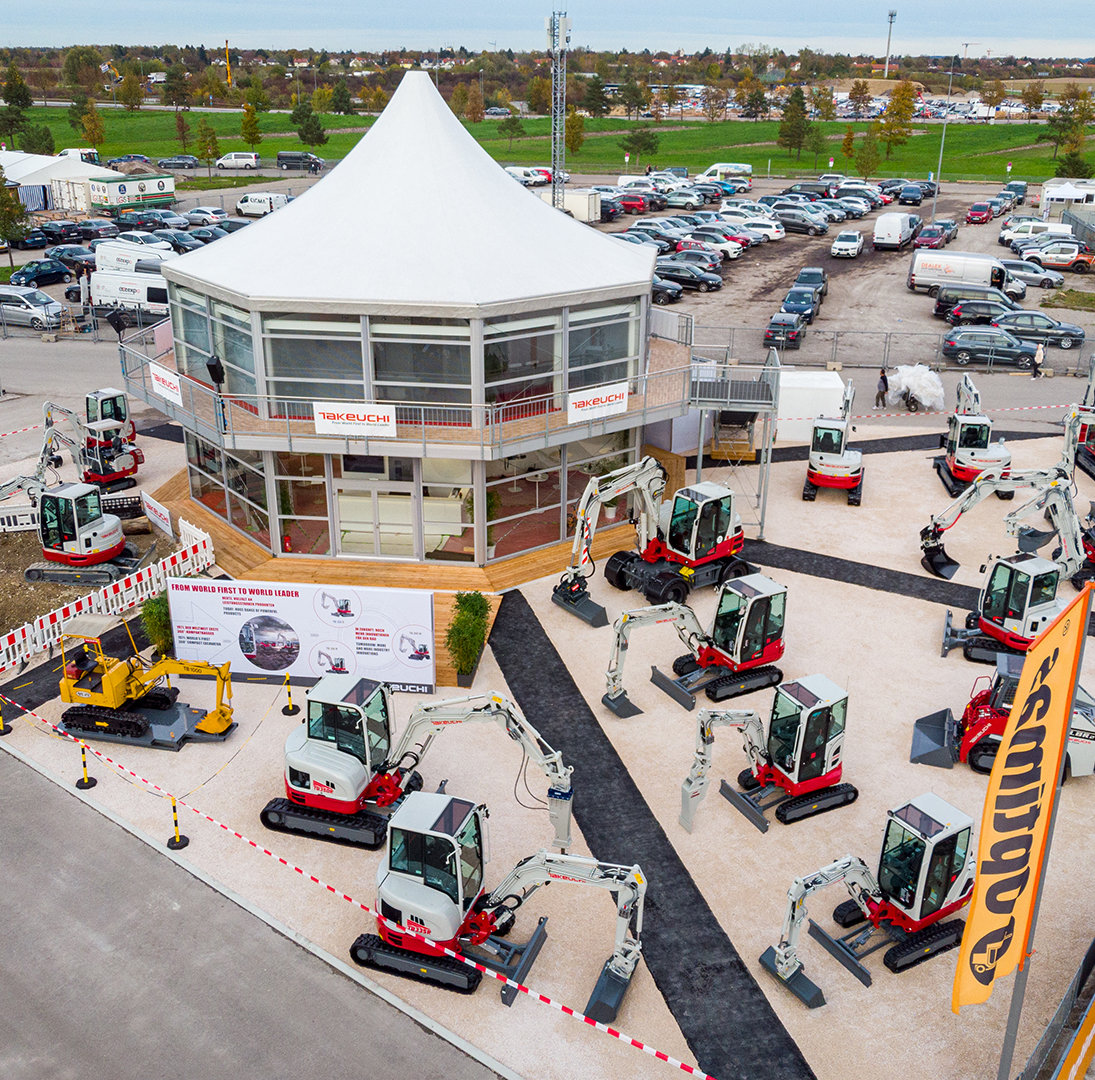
x,y
1018,809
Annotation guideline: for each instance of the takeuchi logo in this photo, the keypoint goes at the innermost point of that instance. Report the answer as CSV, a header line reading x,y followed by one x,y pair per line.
x,y
600,399
357,417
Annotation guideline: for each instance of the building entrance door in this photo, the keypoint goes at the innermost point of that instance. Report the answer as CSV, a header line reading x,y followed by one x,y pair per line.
x,y
379,520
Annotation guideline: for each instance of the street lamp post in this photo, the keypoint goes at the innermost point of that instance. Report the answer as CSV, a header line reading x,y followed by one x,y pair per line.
x,y
942,140
889,33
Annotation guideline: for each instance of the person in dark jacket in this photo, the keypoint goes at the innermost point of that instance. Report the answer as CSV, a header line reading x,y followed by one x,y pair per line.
x,y
881,390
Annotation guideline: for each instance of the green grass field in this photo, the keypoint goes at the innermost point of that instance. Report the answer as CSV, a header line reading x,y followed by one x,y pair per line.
x,y
972,152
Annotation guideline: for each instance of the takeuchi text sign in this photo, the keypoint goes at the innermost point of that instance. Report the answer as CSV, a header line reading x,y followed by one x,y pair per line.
x,y
354,418
1018,809
597,402
165,383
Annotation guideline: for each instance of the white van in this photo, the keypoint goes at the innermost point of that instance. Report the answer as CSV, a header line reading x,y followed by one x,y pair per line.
x,y
81,153
239,159
728,170
259,203
125,256
892,231
930,269
1024,230
137,295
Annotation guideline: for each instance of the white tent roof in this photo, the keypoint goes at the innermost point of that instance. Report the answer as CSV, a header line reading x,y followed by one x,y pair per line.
x,y
1067,190
42,168
417,218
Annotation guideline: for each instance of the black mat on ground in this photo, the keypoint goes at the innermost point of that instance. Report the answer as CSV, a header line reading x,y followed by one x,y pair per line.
x,y
167,432
730,1026
920,586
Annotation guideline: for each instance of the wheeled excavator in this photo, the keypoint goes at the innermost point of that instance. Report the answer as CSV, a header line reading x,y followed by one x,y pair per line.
x,y
430,889
340,606
737,655
974,737
832,464
796,767
414,650
925,874
344,776
684,543
967,447
126,700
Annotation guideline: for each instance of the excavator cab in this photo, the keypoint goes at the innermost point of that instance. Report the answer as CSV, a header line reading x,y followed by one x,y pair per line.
x,y
806,733
74,530
968,449
749,620
1019,600
702,522
111,404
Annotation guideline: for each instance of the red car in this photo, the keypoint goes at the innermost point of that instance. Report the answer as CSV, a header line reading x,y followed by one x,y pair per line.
x,y
632,202
886,197
979,213
931,236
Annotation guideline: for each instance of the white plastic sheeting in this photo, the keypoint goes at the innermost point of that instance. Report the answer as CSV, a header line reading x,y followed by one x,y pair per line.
x,y
921,382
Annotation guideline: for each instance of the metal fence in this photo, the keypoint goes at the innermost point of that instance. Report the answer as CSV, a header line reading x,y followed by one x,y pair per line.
x,y
1083,224
77,324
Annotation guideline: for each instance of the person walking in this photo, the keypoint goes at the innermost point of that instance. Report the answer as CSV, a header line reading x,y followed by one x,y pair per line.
x,y
1039,360
881,390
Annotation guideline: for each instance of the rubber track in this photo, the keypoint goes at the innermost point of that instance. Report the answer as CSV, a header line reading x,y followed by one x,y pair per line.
x,y
745,681
90,713
376,944
830,798
322,818
915,944
731,1028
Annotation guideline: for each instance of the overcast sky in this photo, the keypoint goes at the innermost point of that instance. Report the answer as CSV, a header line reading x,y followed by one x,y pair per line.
x,y
929,26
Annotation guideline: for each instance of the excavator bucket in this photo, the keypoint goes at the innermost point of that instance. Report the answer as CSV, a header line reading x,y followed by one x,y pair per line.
x,y
936,560
573,596
807,991
216,722
933,740
608,995
1030,540
621,705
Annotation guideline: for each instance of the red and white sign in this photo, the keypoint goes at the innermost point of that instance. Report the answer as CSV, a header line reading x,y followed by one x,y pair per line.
x,y
165,383
157,513
354,418
597,402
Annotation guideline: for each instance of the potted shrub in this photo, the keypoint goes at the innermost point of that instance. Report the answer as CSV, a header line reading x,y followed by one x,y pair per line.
x,y
467,634
156,620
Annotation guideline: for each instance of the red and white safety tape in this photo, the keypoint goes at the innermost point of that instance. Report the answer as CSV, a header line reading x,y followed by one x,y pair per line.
x,y
535,995
934,412
19,431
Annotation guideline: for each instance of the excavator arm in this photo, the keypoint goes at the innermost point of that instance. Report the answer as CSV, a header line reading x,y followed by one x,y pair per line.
x,y
647,478
684,622
751,726
627,885
969,398
219,719
1055,499
428,721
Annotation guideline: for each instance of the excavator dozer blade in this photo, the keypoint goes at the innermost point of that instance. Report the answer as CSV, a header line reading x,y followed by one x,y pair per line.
x,y
937,562
672,688
933,740
608,995
621,705
520,960
840,951
807,991
579,604
744,805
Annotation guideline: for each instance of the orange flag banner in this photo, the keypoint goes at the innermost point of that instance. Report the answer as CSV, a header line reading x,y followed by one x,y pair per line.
x,y
1018,809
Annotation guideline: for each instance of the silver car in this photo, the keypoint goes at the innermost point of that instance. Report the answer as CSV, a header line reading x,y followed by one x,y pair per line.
x,y
206,215
23,306
1033,274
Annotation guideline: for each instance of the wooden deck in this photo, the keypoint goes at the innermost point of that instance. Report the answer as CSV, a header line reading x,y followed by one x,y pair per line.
x,y
240,558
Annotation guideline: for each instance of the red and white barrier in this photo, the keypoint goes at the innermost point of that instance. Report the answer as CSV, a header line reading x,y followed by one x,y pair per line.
x,y
535,995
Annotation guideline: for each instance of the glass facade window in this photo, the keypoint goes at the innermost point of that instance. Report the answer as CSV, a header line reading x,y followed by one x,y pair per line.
x,y
312,357
523,357
603,343
421,360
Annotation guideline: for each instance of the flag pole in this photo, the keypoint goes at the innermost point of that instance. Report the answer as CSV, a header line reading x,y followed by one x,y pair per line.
x,y
1019,987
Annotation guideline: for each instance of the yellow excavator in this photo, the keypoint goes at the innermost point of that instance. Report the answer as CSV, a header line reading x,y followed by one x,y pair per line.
x,y
129,700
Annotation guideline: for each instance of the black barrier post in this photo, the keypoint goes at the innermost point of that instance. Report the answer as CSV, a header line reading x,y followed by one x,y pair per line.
x,y
4,729
178,841
86,781
290,709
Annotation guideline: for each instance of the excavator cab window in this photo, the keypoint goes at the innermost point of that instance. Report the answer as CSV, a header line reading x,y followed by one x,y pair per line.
x,y
899,867
431,858
713,527
763,625
470,842
377,730
1044,589
827,440
338,724
88,509
819,730
732,606
1006,594
783,732
974,437
947,860
57,519
681,524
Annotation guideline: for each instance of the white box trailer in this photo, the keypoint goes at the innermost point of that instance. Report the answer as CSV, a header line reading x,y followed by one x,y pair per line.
x,y
71,195
137,295
127,257
129,192
583,204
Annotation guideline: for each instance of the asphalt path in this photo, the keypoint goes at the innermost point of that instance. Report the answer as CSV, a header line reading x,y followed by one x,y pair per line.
x,y
119,963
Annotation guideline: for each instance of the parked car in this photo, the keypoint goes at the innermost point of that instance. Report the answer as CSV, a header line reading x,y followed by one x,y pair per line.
x,y
182,242
729,246
141,220
999,206
949,226
233,224
1037,326
496,110
686,199
847,245
1062,255
785,329
238,160
179,161
814,277
206,233
610,209
801,222
633,202
145,238
73,256
929,188
646,239
32,238
768,227
97,229
206,215
855,206
910,195
690,277
976,312
61,232
710,261
835,206
111,162
20,306
41,272
170,220
893,184
988,344
663,291
931,236
1032,274
979,213
805,302
1008,198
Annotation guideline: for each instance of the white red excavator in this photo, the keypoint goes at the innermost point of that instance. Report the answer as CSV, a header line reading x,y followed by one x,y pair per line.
x,y
99,450
684,543
796,767
967,446
832,464
735,657
345,773
111,404
430,888
925,874
974,737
